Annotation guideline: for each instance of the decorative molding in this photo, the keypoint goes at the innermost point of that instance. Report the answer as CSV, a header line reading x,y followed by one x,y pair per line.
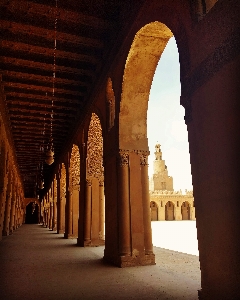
x,y
63,181
111,104
75,166
223,54
101,182
144,159
89,182
95,148
123,158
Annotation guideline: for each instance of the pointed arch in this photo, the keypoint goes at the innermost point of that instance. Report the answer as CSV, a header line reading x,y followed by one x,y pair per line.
x,y
75,166
143,57
185,210
95,148
169,211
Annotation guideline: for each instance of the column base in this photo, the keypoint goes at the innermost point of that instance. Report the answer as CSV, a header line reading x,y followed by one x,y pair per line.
x,y
60,231
130,261
5,233
69,236
93,243
232,293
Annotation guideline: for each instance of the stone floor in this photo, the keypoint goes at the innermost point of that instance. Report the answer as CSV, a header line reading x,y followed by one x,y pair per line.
x,y
36,263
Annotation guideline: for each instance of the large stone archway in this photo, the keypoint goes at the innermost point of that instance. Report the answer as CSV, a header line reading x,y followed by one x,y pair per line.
x,y
145,52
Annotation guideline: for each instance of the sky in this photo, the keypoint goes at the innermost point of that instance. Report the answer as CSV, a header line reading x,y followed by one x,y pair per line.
x,y
165,120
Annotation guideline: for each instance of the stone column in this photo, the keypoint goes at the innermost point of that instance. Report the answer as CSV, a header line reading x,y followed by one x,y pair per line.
x,y
178,212
54,224
12,216
101,210
60,207
69,215
88,206
75,210
7,213
146,204
50,214
2,209
161,212
192,212
124,206
214,143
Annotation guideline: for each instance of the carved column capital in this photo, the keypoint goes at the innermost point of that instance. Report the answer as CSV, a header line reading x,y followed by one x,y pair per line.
x,y
144,159
89,182
123,158
76,187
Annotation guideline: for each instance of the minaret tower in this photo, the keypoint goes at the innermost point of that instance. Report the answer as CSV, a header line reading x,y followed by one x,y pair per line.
x,y
161,180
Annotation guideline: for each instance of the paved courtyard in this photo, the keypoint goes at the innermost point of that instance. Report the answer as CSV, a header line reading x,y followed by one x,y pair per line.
x,y
176,235
36,263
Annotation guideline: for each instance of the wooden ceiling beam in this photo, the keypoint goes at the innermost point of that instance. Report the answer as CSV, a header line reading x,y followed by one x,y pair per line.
x,y
27,117
48,34
41,98
40,78
48,52
23,119
69,16
43,66
40,88
42,110
35,105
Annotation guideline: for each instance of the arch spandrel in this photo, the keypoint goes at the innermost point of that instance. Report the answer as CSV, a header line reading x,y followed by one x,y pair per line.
x,y
145,52
75,166
63,179
95,148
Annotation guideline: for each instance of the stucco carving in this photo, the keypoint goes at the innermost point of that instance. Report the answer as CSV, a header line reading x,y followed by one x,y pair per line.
x,y
111,103
55,189
95,148
89,182
63,180
144,159
75,166
123,159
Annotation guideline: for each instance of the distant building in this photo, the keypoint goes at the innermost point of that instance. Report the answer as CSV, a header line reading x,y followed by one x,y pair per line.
x,y
165,203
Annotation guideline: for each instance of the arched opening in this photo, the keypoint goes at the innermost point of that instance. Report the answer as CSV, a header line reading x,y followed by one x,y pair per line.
x,y
154,211
185,210
145,52
169,211
95,210
32,213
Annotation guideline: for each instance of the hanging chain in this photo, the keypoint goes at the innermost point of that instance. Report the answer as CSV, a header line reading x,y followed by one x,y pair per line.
x,y
54,70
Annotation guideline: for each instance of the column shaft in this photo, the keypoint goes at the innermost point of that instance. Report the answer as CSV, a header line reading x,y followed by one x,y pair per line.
x,y
87,225
101,211
124,207
146,207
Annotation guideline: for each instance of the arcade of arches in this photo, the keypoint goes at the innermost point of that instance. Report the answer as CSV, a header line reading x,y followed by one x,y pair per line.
x,y
100,172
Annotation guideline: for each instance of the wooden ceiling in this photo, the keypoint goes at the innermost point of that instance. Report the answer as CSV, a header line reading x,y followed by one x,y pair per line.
x,y
85,33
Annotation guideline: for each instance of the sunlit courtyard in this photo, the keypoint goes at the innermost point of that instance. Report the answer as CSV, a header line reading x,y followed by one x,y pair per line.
x,y
176,235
